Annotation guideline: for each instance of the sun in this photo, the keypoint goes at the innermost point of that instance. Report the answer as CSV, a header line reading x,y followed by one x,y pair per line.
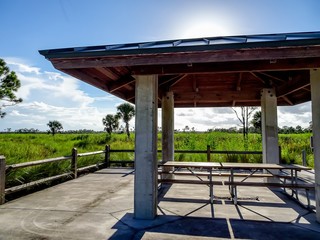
x,y
199,29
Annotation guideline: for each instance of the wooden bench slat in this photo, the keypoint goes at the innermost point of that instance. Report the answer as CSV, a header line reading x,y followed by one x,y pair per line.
x,y
224,174
187,181
264,184
249,184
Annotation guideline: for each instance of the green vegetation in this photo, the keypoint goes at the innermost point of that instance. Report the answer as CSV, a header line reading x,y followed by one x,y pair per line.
x,y
19,148
55,127
126,112
9,85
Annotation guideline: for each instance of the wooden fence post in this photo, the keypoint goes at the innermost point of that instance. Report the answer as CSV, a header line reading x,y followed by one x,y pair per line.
x,y
107,156
74,163
304,157
2,179
208,153
280,160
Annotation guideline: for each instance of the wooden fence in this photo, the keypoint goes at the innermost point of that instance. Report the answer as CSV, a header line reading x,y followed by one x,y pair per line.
x,y
74,170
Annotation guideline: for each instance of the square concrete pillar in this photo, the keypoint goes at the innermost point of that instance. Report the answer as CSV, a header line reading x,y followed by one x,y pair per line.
x,y
168,127
269,128
315,98
167,104
146,163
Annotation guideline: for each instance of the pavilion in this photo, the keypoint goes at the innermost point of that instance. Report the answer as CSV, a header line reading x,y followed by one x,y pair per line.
x,y
267,70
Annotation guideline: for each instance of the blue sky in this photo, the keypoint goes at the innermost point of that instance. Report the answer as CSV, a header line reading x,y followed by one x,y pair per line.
x,y
29,26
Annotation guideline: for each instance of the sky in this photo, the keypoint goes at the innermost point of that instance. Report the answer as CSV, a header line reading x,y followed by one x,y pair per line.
x,y
29,26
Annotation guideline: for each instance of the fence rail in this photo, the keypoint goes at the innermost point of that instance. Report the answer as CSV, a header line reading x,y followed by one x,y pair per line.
x,y
74,170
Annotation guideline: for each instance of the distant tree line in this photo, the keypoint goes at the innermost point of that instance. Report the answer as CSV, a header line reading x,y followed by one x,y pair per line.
x,y
284,130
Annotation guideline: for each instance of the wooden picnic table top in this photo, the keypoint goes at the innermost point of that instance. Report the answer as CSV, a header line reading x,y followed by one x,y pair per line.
x,y
191,164
229,165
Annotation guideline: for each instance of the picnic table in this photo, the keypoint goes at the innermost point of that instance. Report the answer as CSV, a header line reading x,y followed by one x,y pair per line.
x,y
283,176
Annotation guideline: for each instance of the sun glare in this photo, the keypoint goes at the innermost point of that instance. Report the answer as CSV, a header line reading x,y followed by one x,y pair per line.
x,y
204,29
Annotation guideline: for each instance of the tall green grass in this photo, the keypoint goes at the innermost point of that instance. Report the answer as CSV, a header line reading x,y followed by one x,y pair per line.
x,y
19,148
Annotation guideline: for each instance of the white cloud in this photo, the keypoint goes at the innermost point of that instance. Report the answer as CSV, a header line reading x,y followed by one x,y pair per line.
x,y
20,66
51,96
203,119
295,115
17,113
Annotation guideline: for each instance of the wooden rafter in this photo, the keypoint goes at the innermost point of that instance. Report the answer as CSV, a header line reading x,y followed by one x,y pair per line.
x,y
122,82
257,77
287,100
291,87
273,77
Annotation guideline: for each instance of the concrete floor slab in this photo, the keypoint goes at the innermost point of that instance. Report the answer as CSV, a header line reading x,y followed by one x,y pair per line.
x,y
100,206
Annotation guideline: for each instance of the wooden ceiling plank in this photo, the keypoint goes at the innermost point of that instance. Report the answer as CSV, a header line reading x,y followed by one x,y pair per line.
x,y
108,73
88,79
238,88
194,85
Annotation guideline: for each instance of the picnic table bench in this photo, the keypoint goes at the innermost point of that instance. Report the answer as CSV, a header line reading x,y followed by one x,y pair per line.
x,y
238,175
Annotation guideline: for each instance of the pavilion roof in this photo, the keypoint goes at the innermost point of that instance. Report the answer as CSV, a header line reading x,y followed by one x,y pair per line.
x,y
201,72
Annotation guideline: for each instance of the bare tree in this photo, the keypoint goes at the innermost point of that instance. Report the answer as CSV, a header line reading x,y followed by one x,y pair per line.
x,y
245,114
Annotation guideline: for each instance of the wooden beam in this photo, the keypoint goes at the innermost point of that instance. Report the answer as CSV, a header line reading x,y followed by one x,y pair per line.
x,y
223,55
250,66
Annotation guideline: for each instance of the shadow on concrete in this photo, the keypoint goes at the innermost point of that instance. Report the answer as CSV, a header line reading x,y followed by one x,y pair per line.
x,y
185,226
165,227
125,172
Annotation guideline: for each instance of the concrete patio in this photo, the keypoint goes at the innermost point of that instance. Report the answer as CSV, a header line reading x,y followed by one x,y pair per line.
x,y
100,206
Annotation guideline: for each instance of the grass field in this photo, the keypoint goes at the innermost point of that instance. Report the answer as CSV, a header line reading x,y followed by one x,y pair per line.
x,y
19,148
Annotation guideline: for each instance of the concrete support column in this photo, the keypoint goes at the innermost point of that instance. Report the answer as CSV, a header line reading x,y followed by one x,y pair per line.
x,y
315,98
168,127
269,120
146,165
167,131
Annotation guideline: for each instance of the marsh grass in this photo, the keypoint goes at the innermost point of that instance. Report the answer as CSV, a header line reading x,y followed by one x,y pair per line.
x,y
19,148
